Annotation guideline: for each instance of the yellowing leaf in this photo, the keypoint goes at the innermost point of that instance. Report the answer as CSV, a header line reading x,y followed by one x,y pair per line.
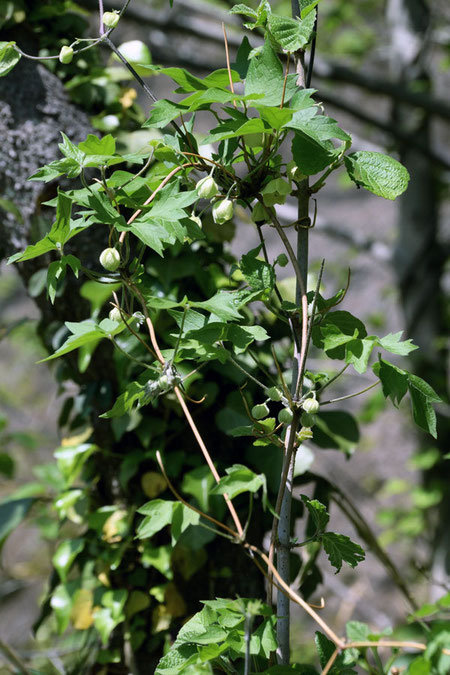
x,y
128,97
160,619
153,484
81,614
72,441
175,604
115,527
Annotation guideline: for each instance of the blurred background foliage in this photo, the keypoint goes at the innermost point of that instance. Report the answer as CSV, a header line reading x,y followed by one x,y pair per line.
x,y
382,70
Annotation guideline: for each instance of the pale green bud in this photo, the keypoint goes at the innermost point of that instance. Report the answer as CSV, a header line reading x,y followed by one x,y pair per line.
x,y
66,54
110,259
114,315
260,411
111,19
282,260
223,211
207,188
307,420
274,393
310,405
285,416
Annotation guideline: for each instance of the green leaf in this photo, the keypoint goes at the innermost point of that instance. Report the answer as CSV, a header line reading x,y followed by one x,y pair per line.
x,y
93,145
9,57
340,548
242,58
182,517
422,395
61,603
65,554
325,648
394,381
310,155
162,113
70,459
239,479
335,330
319,128
378,173
265,78
102,211
291,34
318,513
245,10
198,483
235,128
357,353
111,614
424,388
392,343
56,238
222,305
257,273
306,6
159,513
125,402
243,336
83,333
12,513
357,631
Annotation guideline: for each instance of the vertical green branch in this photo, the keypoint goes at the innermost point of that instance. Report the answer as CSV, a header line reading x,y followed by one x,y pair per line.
x,y
284,523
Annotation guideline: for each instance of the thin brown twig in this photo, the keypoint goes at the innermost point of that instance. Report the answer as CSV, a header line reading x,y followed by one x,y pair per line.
x,y
227,55
297,599
190,506
185,409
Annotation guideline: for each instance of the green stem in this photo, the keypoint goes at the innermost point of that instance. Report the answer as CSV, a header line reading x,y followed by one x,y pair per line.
x,y
344,398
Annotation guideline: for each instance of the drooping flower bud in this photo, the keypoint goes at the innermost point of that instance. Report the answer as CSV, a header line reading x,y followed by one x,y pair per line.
x,y
310,405
114,315
110,259
66,54
260,411
285,415
222,211
111,19
274,393
282,260
307,420
207,188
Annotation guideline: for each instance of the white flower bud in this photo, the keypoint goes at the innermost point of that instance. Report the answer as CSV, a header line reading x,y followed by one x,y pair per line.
x,y
223,211
66,54
207,188
114,315
110,259
310,405
111,19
